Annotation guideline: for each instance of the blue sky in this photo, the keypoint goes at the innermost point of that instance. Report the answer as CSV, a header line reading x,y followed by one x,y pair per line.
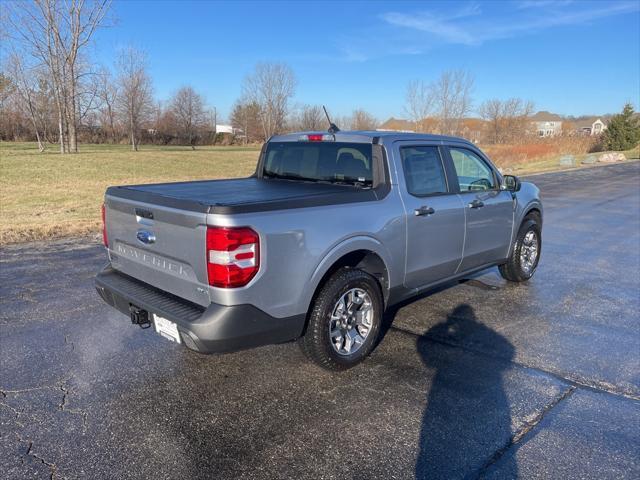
x,y
570,57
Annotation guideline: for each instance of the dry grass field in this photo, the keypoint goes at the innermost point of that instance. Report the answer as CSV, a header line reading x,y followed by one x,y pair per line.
x,y
46,195
543,154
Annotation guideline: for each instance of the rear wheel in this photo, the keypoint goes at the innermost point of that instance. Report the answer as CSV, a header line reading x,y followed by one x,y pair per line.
x,y
525,253
345,320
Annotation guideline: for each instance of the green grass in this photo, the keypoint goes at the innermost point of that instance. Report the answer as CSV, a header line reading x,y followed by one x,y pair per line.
x,y
45,195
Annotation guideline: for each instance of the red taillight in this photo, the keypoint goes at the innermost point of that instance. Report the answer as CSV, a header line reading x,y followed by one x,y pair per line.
x,y
233,256
105,239
315,138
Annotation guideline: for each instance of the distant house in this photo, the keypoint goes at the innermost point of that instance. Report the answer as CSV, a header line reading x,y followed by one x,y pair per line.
x,y
590,126
547,124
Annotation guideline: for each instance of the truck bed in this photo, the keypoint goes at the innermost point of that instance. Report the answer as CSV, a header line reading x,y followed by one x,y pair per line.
x,y
242,195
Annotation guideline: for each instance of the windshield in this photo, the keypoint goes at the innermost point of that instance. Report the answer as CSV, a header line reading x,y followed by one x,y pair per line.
x,y
335,162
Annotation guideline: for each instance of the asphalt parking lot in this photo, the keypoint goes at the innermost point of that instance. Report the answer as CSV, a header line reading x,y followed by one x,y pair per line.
x,y
478,379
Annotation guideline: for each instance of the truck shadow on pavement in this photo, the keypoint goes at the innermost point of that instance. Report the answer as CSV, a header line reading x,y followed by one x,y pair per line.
x,y
467,416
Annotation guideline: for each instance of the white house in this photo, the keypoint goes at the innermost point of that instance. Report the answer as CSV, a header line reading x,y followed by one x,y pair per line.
x,y
590,126
547,124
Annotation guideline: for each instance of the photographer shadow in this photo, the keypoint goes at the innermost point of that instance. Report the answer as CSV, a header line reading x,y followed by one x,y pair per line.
x,y
467,415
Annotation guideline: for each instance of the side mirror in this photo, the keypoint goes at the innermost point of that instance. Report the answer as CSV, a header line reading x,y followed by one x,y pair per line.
x,y
510,183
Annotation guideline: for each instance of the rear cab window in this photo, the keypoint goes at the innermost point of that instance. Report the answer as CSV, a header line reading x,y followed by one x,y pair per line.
x,y
327,162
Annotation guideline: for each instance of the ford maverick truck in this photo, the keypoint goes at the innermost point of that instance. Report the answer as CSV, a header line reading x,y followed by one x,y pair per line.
x,y
330,230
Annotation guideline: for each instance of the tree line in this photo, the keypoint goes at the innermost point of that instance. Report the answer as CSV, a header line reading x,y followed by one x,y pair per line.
x,y
442,106
52,92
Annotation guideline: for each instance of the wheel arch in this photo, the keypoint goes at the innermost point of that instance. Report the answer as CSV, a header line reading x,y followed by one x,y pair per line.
x,y
365,253
533,210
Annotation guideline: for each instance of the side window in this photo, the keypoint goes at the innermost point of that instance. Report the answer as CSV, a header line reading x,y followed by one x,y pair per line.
x,y
423,170
473,173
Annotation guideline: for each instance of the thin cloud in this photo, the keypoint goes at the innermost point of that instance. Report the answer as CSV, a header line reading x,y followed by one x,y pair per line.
x,y
351,53
430,23
542,3
469,27
441,25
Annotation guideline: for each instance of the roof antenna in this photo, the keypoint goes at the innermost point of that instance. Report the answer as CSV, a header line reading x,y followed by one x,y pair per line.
x,y
333,128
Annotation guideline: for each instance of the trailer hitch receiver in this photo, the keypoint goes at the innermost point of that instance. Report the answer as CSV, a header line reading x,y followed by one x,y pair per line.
x,y
139,316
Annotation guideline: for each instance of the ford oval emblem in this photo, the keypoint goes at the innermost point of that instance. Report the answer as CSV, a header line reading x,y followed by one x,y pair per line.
x,y
146,237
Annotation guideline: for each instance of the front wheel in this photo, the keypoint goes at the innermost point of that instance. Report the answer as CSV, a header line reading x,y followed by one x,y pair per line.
x,y
345,320
525,253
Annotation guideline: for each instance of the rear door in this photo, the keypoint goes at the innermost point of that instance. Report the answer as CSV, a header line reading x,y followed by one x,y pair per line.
x,y
489,210
434,214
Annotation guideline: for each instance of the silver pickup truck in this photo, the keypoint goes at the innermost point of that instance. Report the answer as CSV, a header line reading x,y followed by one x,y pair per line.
x,y
330,230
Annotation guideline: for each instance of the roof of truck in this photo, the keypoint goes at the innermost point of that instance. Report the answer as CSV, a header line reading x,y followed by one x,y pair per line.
x,y
367,136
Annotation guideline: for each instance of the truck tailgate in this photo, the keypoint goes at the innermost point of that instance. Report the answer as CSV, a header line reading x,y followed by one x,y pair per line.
x,y
162,246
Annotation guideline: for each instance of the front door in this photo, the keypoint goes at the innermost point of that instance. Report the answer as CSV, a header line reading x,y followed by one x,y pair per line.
x,y
434,215
489,210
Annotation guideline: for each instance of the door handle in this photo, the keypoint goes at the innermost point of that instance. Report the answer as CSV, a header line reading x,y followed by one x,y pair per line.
x,y
476,204
424,210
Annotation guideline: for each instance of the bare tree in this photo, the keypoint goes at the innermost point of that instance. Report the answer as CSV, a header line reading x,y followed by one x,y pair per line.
x,y
516,114
508,119
362,120
135,100
492,112
164,124
245,117
271,86
26,108
56,32
312,118
306,118
88,105
6,90
8,121
451,94
343,122
25,86
418,103
188,108
107,91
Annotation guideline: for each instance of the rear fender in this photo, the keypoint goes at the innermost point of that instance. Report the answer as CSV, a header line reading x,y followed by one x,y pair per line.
x,y
352,244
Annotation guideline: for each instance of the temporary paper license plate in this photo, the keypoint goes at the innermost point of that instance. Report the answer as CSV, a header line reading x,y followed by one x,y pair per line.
x,y
166,328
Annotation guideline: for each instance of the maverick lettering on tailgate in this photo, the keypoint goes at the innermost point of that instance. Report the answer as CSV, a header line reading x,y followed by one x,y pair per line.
x,y
150,259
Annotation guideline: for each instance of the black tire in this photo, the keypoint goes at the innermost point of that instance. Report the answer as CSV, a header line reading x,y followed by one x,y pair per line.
x,y
316,342
513,269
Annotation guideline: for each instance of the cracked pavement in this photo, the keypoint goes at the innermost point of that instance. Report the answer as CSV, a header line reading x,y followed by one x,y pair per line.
x,y
478,379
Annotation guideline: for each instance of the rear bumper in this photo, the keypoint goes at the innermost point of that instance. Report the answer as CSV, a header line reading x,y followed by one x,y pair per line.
x,y
217,328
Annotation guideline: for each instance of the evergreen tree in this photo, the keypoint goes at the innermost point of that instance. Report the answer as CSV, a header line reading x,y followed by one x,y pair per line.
x,y
623,131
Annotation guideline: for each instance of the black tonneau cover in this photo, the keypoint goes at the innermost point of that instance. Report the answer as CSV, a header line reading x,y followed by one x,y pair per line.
x,y
243,195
